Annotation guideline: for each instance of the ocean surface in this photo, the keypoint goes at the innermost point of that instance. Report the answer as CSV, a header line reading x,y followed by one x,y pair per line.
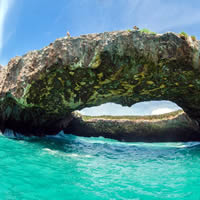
x,y
77,168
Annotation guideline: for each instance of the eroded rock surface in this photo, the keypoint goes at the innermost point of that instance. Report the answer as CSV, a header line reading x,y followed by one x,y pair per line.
x,y
171,127
39,90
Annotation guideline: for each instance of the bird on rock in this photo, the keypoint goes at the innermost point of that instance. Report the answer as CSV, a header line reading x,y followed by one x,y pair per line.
x,y
68,34
136,28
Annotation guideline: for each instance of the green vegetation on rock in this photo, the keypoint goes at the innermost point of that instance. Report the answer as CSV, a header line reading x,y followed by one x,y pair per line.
x,y
193,38
145,30
183,35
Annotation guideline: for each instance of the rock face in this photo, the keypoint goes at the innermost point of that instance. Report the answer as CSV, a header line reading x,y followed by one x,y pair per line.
x,y
171,127
39,90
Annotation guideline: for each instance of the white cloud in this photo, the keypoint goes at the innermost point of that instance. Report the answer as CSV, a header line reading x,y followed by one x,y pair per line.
x,y
161,111
160,15
108,109
5,5
142,108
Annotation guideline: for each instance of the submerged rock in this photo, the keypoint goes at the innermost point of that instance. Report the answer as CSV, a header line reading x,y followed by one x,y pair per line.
x,y
170,127
39,90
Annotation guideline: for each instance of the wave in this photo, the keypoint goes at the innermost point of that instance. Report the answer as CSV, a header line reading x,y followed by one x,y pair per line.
x,y
63,154
189,144
13,135
61,135
100,140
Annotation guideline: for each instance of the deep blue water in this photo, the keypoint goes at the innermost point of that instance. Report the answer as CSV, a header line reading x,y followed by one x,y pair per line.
x,y
73,168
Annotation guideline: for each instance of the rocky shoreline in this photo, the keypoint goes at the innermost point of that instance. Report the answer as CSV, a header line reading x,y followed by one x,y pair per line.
x,y
171,127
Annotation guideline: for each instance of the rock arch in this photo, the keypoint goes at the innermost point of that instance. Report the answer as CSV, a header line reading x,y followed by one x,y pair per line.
x,y
42,88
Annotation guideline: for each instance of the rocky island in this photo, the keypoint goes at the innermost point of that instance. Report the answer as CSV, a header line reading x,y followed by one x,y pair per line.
x,y
40,90
171,127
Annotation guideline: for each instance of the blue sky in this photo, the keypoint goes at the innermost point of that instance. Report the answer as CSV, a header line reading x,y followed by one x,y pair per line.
x,y
142,108
32,24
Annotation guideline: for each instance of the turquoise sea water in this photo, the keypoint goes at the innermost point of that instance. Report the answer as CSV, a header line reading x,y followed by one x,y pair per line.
x,y
73,168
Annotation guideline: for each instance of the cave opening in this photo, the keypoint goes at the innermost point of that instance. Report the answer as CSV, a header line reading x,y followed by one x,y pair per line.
x,y
150,121
138,109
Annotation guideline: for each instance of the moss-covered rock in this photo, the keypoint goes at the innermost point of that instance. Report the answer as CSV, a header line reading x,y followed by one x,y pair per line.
x,y
42,88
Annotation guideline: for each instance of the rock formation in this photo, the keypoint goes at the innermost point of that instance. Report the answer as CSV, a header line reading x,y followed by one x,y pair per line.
x,y
39,90
171,127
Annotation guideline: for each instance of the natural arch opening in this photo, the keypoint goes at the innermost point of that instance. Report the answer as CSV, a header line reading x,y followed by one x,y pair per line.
x,y
150,121
138,109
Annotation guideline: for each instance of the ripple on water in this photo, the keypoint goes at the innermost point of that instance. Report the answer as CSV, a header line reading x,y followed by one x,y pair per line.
x,y
70,167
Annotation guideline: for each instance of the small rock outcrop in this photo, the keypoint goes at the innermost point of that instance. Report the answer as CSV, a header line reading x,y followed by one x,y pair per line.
x,y
40,90
171,127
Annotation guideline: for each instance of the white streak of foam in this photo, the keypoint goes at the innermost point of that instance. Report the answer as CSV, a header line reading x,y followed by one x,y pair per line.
x,y
52,152
73,155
